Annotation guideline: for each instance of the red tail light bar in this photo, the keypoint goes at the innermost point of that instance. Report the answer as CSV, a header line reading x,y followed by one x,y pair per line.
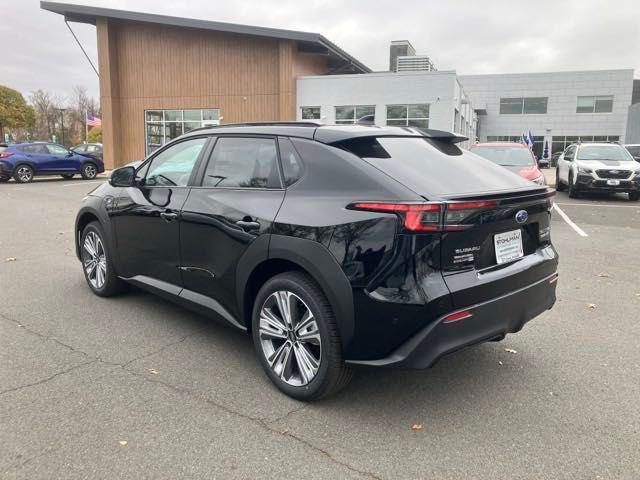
x,y
429,216
5,154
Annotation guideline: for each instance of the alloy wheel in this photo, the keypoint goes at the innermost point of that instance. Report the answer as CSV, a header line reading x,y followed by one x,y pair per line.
x,y
290,338
90,171
94,260
25,174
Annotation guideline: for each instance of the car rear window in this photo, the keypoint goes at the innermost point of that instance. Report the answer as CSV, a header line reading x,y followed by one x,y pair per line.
x,y
505,155
603,152
433,168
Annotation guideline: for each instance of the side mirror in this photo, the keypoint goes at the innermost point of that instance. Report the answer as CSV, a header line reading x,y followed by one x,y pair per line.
x,y
70,153
123,177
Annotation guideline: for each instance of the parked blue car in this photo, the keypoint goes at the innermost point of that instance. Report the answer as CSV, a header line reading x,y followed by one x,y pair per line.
x,y
23,161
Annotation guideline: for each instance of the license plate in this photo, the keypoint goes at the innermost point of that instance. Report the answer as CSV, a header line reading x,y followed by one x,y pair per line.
x,y
508,246
613,182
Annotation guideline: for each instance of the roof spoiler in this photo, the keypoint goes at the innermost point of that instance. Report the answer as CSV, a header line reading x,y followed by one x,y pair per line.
x,y
442,135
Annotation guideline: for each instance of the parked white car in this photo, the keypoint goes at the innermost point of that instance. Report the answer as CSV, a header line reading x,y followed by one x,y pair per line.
x,y
598,167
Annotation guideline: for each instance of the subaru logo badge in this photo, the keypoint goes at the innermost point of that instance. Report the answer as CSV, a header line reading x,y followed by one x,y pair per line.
x,y
522,216
614,171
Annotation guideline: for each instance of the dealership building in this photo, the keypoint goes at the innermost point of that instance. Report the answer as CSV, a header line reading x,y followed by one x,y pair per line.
x,y
162,76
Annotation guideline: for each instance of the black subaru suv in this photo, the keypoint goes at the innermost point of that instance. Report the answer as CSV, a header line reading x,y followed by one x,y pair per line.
x,y
333,246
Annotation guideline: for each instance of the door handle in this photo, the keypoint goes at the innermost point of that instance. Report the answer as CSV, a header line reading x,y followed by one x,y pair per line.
x,y
248,225
168,216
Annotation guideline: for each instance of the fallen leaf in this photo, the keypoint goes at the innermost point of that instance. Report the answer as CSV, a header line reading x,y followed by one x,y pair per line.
x,y
416,426
153,371
11,259
510,350
123,442
591,306
500,362
604,275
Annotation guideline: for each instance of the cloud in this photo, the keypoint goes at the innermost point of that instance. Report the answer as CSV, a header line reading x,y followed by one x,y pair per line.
x,y
469,36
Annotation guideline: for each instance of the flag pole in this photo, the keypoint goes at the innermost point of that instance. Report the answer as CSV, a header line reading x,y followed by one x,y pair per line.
x,y
86,127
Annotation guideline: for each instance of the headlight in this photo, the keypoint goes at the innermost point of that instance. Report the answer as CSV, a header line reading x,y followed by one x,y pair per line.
x,y
584,170
539,180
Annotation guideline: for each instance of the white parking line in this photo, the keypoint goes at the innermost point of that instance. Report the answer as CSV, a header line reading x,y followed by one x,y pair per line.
x,y
566,218
637,206
89,182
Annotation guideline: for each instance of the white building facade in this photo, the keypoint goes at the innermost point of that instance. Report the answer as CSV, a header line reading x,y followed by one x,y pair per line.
x,y
558,108
422,99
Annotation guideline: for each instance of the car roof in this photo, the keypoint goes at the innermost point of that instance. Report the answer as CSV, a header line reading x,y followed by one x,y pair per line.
x,y
499,144
328,134
598,144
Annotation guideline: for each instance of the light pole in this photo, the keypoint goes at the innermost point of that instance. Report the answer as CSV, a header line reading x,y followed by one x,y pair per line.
x,y
62,110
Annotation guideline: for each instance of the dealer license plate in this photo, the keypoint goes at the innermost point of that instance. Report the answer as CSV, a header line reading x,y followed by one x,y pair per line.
x,y
613,182
508,246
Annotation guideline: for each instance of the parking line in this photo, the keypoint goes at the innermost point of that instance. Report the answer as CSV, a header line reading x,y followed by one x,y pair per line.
x,y
566,218
82,183
598,205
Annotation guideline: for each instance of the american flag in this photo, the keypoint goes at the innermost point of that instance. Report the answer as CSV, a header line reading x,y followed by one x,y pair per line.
x,y
93,121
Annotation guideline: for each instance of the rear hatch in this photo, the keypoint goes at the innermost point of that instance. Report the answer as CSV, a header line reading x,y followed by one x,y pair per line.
x,y
493,224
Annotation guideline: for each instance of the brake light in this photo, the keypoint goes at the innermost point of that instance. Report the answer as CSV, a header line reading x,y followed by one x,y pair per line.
x,y
5,154
428,216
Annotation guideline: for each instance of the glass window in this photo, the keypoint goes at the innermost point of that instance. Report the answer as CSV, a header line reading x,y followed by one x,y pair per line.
x,y
243,163
310,113
350,114
534,105
510,106
164,125
595,104
291,163
57,149
414,115
505,156
172,167
92,148
35,149
603,152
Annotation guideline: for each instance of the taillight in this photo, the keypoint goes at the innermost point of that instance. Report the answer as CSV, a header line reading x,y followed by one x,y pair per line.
x,y
5,154
428,216
461,315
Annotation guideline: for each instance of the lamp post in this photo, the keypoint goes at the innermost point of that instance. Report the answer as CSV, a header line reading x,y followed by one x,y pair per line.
x,y
62,110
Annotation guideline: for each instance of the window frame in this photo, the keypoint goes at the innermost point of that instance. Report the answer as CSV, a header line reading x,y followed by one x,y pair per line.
x,y
196,166
408,117
595,102
522,106
302,107
343,121
199,178
298,158
164,123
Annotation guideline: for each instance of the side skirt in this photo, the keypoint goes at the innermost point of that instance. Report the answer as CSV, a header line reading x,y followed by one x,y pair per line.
x,y
197,302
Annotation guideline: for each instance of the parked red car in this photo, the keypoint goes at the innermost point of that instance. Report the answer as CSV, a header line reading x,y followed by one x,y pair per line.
x,y
516,157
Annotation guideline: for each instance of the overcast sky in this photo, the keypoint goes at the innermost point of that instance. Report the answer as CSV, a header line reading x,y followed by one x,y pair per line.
x,y
470,36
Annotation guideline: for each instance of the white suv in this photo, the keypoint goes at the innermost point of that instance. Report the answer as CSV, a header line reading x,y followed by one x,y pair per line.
x,y
598,167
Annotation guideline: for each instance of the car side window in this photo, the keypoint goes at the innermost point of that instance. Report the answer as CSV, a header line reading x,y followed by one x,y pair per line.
x,y
91,148
56,150
81,148
291,164
238,162
568,153
172,167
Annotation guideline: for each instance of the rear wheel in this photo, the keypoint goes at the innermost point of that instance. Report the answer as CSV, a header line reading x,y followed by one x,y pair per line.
x,y
296,338
4,179
23,174
634,196
97,262
573,191
559,184
67,175
89,171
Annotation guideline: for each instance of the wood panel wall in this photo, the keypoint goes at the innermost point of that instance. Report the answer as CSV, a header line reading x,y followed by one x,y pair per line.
x,y
147,66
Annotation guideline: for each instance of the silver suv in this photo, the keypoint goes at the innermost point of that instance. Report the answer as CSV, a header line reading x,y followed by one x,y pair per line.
x,y
598,167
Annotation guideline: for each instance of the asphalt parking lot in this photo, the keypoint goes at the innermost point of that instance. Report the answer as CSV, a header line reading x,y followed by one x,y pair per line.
x,y
135,387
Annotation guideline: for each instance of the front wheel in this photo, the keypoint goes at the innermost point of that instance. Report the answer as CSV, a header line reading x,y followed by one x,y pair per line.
x,y
634,196
559,184
97,262
89,171
296,338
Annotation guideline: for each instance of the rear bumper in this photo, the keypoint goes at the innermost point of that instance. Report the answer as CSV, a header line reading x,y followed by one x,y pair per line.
x,y
588,183
5,170
491,319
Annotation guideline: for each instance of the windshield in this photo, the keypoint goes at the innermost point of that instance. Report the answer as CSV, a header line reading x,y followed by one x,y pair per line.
x,y
603,152
505,156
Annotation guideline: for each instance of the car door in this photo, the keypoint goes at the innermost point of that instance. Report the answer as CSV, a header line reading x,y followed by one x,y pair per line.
x,y
36,154
60,159
234,205
145,218
564,163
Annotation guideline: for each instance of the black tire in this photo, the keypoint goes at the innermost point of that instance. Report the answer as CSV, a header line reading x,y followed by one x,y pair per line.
x,y
4,179
634,196
23,173
573,191
111,285
332,374
89,171
559,185
67,176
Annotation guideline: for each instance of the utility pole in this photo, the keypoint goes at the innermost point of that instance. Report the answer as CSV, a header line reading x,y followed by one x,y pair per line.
x,y
62,110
